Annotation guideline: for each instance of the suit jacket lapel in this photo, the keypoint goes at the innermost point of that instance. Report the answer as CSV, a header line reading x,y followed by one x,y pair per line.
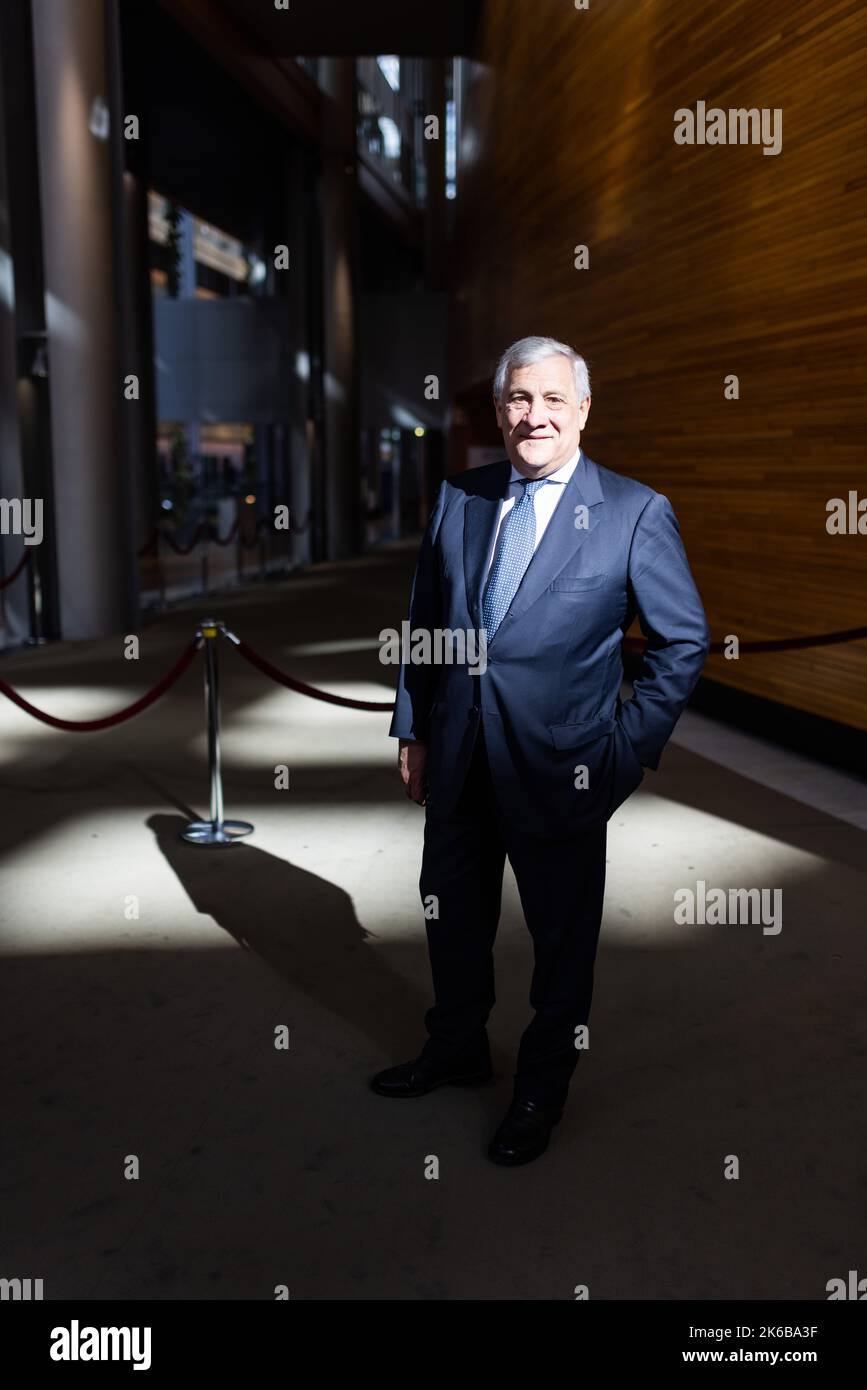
x,y
555,551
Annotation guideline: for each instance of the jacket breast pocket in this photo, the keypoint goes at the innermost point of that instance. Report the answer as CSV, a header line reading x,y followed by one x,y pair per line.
x,y
577,583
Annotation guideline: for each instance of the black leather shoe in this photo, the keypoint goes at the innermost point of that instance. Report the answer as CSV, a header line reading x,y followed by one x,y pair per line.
x,y
524,1133
423,1075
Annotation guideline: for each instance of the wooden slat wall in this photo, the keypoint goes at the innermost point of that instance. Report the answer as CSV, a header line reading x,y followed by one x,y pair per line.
x,y
704,261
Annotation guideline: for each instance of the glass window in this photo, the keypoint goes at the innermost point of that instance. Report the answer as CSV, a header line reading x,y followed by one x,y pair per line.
x,y
389,64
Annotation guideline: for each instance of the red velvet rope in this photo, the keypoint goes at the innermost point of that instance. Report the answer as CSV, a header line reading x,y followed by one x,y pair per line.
x,y
80,726
302,687
292,683
13,574
201,530
205,530
229,536
633,643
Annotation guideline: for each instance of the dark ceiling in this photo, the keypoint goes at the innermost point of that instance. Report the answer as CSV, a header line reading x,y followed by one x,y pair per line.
x,y
413,28
206,142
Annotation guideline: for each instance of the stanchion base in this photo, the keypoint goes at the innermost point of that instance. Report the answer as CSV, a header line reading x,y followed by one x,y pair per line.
x,y
212,832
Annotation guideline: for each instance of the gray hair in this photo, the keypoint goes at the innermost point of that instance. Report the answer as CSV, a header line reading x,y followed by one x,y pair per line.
x,y
527,350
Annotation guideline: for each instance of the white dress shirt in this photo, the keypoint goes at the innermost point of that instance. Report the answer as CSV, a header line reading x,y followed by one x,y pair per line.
x,y
545,500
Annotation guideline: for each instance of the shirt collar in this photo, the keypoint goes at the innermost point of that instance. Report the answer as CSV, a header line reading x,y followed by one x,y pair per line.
x,y
562,475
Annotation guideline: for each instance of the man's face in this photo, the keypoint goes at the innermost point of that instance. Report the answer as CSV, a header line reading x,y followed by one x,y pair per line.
x,y
540,416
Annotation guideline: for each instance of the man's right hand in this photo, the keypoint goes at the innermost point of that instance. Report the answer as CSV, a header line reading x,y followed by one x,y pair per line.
x,y
412,761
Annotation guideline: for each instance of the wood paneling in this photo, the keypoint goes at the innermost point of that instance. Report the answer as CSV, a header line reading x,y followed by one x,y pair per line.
x,y
704,261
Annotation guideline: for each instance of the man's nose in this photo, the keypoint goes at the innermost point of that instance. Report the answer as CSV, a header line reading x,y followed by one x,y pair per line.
x,y
537,414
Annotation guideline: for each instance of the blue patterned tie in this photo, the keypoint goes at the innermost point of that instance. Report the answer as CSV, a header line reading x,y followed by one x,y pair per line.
x,y
515,548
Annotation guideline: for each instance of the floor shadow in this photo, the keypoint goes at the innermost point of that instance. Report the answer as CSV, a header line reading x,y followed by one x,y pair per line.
x,y
305,929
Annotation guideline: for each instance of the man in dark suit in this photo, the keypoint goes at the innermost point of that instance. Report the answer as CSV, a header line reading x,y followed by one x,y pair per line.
x,y
529,750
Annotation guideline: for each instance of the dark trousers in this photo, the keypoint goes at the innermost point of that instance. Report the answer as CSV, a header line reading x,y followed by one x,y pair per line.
x,y
561,883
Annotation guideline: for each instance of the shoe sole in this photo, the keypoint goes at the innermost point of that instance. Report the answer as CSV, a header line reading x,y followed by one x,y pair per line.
x,y
475,1079
515,1162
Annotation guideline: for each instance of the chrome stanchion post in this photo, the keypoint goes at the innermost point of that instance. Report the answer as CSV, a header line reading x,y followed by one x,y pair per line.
x,y
215,831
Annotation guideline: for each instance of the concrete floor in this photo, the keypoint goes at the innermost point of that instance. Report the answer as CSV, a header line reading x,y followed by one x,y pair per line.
x,y
153,1035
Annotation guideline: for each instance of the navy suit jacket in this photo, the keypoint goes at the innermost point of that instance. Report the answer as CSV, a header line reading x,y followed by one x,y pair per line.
x,y
550,696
